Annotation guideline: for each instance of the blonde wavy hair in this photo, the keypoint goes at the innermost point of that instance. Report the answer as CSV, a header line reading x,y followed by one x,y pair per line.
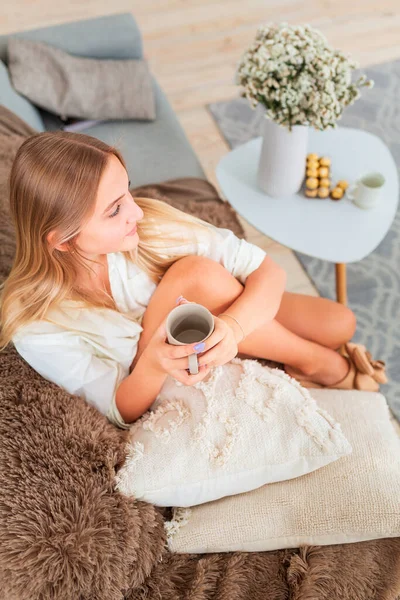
x,y
52,187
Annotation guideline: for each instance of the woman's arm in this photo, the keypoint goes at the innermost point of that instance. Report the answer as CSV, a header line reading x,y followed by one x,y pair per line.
x,y
260,300
144,339
137,392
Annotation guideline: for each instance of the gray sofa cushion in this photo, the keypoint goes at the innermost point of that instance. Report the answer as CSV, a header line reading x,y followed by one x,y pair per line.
x,y
87,88
10,98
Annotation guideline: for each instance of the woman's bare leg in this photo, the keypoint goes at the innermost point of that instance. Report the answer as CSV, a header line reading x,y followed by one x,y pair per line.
x,y
202,280
317,319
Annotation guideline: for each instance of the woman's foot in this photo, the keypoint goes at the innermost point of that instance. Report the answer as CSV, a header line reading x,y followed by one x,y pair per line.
x,y
365,364
362,372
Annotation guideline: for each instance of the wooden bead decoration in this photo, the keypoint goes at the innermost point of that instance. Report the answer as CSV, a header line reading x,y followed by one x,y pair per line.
x,y
312,172
337,193
311,193
324,182
312,183
325,161
323,192
323,172
342,184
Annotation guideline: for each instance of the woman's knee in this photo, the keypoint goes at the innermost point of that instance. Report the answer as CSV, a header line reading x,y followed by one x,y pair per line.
x,y
185,277
349,322
201,279
344,326
198,272
190,267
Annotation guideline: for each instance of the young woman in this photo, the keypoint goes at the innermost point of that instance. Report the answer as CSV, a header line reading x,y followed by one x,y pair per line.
x,y
96,272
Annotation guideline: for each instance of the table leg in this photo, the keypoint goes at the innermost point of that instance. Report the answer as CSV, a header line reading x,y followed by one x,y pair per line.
x,y
341,290
341,287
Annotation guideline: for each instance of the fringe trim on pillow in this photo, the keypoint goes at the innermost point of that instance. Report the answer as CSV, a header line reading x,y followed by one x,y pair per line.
x,y
310,407
180,518
264,407
150,423
125,475
217,455
305,410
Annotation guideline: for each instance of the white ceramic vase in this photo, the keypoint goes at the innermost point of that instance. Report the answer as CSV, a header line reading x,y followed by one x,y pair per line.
x,y
281,168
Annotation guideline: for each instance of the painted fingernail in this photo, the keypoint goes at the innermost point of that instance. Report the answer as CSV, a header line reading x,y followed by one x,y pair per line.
x,y
178,299
199,347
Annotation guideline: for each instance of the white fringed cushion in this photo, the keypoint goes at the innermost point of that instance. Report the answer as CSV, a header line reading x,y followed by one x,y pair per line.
x,y
245,425
353,499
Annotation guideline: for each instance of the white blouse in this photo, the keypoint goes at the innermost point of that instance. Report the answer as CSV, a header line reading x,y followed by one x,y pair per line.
x,y
88,351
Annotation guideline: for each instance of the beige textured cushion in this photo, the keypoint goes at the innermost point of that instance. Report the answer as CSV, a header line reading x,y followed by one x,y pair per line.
x,y
353,499
73,86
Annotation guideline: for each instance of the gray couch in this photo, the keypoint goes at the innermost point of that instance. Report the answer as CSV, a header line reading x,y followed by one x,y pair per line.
x,y
154,151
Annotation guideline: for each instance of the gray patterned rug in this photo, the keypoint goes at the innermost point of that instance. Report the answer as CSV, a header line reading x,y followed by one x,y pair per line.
x,y
374,282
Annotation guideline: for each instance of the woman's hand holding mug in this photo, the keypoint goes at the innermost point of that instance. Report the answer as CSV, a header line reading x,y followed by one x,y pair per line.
x,y
220,347
175,358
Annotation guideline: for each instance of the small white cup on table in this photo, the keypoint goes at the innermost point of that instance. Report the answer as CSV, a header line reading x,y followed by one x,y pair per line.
x,y
366,191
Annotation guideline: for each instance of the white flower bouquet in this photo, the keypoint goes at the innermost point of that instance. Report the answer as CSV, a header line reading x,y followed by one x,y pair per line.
x,y
297,76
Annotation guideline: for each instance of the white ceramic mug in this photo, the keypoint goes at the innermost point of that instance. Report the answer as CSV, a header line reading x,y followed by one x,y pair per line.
x,y
189,324
365,192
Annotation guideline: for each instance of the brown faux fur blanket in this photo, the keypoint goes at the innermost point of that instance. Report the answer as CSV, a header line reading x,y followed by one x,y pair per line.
x,y
66,534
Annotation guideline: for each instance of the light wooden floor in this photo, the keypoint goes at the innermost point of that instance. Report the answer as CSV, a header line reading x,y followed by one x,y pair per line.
x,y
193,47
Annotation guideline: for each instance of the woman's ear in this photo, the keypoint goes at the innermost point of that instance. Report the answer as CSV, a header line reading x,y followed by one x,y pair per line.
x,y
50,240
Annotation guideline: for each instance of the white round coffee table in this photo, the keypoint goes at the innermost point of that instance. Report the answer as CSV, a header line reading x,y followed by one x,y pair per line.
x,y
338,232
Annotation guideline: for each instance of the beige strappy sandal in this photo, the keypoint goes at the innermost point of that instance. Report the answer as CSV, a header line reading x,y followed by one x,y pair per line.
x,y
367,368
364,372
